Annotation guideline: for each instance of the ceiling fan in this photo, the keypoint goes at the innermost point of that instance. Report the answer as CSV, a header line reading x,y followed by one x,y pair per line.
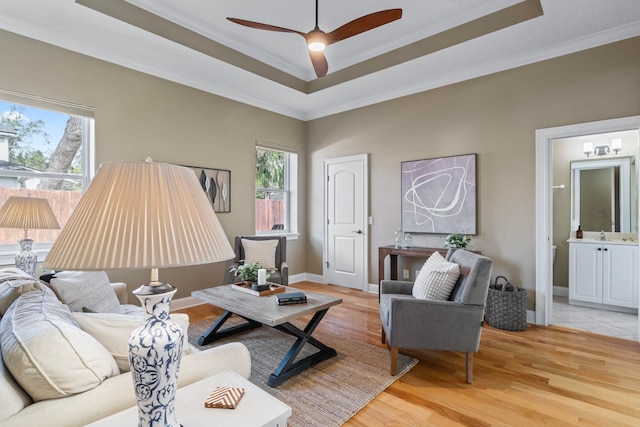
x,y
317,39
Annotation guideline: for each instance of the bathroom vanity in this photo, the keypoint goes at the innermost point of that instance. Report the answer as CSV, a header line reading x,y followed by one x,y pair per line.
x,y
603,273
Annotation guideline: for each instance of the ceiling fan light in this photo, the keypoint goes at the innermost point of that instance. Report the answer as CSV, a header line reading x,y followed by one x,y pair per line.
x,y
316,41
316,45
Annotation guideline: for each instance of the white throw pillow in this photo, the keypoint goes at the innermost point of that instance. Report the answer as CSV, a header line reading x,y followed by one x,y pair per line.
x,y
436,279
46,351
113,331
90,289
261,251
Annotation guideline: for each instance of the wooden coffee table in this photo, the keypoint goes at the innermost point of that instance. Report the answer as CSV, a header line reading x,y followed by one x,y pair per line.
x,y
258,311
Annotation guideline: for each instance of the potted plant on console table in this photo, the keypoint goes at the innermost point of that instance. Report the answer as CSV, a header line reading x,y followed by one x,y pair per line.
x,y
457,240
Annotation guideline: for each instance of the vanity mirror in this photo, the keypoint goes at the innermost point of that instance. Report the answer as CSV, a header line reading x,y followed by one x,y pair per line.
x,y
601,194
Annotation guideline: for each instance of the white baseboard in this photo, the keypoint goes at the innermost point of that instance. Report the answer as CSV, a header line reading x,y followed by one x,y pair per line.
x,y
531,316
372,288
306,277
561,291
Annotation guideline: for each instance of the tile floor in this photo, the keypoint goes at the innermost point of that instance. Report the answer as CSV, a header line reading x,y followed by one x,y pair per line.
x,y
612,323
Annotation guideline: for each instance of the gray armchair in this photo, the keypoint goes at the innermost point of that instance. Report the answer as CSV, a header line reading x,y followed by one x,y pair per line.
x,y
453,325
281,275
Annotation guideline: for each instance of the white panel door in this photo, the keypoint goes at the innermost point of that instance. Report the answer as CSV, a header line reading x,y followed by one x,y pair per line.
x,y
345,262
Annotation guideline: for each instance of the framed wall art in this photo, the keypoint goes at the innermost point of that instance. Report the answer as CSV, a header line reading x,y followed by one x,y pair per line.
x,y
216,183
439,195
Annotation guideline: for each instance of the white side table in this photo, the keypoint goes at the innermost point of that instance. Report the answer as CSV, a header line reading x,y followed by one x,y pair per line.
x,y
256,408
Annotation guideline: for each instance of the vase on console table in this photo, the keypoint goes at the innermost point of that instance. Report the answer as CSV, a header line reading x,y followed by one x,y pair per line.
x,y
408,241
399,239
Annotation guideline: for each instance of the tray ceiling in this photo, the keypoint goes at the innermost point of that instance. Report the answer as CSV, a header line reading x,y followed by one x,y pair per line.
x,y
435,43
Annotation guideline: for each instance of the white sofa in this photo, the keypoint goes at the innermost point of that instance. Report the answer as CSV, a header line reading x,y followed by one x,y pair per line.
x,y
111,394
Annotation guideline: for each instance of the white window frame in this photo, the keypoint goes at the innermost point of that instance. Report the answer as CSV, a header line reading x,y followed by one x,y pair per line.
x,y
290,192
8,251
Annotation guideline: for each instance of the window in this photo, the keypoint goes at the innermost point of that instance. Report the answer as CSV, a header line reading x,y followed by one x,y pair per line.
x,y
276,190
45,153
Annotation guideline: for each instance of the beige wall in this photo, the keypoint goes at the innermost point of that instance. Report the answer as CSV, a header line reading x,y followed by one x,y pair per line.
x,y
137,115
495,116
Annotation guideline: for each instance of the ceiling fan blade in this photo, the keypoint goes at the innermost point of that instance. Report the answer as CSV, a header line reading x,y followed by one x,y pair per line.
x,y
319,63
261,26
362,24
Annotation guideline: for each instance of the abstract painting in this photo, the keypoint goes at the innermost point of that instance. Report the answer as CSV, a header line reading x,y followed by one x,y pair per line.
x,y
216,183
439,195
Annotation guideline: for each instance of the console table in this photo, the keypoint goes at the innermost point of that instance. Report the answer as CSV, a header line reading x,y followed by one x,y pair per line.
x,y
393,253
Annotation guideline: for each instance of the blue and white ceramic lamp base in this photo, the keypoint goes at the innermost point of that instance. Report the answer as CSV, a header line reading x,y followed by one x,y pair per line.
x,y
155,349
27,259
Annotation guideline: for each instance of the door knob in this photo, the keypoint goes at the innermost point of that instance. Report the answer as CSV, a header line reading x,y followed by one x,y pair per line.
x,y
357,231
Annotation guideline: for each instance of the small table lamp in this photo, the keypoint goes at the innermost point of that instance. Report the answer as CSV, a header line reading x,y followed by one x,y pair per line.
x,y
145,215
27,213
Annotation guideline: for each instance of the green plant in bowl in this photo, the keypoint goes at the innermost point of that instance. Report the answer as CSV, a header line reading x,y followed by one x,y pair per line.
x,y
457,240
249,271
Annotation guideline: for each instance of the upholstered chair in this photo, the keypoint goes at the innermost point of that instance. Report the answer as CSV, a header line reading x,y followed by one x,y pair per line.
x,y
451,325
269,251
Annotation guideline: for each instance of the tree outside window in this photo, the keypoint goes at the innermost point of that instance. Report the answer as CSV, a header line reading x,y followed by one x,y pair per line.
x,y
273,190
42,154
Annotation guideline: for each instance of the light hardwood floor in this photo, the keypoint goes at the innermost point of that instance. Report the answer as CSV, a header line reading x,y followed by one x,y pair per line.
x,y
541,376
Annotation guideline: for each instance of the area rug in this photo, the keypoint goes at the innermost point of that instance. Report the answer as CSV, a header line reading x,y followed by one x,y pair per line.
x,y
327,394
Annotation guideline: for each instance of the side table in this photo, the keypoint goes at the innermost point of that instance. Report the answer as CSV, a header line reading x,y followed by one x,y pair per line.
x,y
393,253
256,408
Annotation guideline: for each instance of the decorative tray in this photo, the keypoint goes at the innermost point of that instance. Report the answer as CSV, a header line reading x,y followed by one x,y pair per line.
x,y
274,288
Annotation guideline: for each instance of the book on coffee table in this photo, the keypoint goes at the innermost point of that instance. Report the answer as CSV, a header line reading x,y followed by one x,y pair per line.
x,y
291,298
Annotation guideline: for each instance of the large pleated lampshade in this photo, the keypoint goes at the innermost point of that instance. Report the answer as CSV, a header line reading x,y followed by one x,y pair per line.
x,y
145,215
27,213
138,215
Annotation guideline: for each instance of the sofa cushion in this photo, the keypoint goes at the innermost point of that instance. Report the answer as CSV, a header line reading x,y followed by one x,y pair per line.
x,y
12,397
13,283
117,393
436,279
131,309
113,331
261,251
90,289
46,351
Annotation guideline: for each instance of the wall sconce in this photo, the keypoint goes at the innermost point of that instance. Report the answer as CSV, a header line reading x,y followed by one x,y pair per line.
x,y
601,150
616,145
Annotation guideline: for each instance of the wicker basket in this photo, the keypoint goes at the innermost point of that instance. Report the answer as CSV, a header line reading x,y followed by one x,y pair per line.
x,y
506,306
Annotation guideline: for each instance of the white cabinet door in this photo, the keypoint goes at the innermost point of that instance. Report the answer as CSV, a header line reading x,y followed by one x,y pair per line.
x,y
620,275
585,272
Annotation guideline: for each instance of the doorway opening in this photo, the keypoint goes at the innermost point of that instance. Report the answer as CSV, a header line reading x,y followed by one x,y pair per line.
x,y
548,185
595,193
